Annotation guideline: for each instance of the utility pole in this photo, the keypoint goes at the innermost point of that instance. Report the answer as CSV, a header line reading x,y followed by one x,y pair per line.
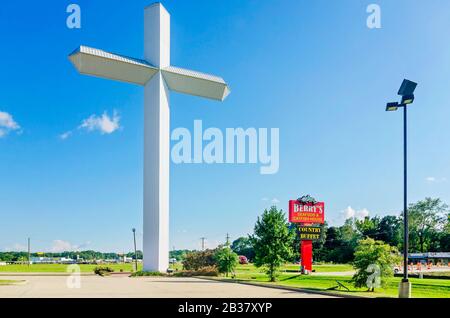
x,y
203,243
29,253
135,251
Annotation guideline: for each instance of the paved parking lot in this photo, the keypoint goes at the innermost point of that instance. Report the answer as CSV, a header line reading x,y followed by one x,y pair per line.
x,y
149,287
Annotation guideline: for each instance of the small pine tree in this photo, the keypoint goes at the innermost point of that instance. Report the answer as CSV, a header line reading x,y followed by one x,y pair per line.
x,y
226,260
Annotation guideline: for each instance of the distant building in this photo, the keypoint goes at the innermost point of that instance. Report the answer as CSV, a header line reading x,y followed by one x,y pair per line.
x,y
65,260
112,260
127,259
42,260
430,257
51,260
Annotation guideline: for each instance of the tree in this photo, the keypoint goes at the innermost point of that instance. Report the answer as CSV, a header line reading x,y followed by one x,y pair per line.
x,y
243,246
179,255
139,254
445,237
272,241
447,225
349,237
368,227
226,260
374,262
425,219
389,230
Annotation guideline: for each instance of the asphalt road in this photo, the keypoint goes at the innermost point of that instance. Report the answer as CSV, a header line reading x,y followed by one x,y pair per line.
x,y
148,287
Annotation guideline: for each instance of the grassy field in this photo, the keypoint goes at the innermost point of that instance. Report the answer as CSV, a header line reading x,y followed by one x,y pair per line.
x,y
60,268
8,282
326,268
427,288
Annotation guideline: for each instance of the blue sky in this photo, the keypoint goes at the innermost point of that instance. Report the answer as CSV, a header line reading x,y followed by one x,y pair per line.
x,y
312,69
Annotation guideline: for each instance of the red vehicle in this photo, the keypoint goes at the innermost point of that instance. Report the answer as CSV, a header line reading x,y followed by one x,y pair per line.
x,y
243,260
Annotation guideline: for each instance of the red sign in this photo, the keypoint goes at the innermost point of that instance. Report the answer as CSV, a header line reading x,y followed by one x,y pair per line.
x,y
306,249
306,212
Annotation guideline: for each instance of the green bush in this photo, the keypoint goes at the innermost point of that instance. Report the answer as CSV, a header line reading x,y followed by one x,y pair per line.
x,y
103,270
147,273
199,259
204,271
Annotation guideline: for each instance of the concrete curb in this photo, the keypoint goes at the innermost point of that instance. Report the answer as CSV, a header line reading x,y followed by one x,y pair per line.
x,y
296,289
42,274
16,283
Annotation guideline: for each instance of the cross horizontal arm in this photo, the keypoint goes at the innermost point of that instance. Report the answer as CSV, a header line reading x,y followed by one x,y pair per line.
x,y
103,64
195,83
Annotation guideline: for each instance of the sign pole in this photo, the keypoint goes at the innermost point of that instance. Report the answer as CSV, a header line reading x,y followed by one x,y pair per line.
x,y
306,253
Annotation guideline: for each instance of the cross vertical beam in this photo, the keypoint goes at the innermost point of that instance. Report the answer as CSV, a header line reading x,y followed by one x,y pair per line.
x,y
156,141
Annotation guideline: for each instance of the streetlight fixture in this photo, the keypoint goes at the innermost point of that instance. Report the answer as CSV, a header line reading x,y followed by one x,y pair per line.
x,y
391,107
407,92
135,251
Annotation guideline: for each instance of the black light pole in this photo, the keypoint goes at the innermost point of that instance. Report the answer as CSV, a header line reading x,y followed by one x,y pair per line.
x,y
405,196
406,91
135,251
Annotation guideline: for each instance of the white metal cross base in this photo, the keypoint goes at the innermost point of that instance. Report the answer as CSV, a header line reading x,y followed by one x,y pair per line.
x,y
157,76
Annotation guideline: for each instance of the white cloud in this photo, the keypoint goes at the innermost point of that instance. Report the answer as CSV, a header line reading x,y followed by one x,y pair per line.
x,y
349,213
16,248
7,124
59,246
65,135
104,123
273,201
361,214
435,180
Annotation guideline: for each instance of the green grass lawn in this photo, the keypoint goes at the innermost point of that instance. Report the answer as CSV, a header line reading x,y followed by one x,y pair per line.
x,y
325,268
429,288
8,282
61,268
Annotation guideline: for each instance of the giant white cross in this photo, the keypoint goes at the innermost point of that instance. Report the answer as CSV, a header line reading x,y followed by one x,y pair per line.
x,y
157,76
